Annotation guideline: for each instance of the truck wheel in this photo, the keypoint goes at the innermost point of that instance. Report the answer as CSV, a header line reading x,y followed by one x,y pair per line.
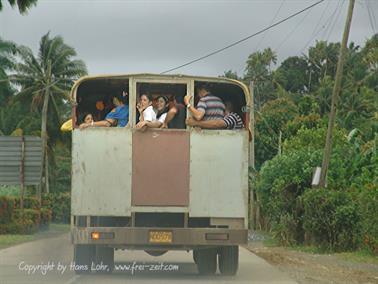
x,y
104,259
156,252
84,255
228,260
206,261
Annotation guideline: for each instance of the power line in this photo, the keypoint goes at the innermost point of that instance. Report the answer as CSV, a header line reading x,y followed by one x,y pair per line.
x,y
325,25
333,16
293,30
371,16
240,70
336,19
271,22
244,39
320,19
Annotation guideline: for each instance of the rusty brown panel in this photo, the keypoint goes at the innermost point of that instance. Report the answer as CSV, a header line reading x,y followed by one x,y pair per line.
x,y
160,175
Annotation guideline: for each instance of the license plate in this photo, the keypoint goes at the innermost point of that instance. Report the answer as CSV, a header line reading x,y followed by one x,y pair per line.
x,y
160,237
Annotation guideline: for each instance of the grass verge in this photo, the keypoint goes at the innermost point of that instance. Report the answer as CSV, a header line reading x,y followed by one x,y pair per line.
x,y
12,240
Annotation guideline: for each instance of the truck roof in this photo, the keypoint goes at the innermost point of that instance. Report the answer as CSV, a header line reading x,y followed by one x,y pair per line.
x,y
162,76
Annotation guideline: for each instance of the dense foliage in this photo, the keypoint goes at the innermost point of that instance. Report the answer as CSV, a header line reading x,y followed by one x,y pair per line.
x,y
293,103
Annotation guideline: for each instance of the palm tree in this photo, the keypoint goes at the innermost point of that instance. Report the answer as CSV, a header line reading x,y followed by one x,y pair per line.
x,y
23,5
50,75
7,50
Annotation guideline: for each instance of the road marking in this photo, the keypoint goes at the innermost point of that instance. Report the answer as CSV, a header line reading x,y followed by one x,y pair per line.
x,y
73,279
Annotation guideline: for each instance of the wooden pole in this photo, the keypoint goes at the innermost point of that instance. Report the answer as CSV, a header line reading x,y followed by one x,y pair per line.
x,y
335,94
22,173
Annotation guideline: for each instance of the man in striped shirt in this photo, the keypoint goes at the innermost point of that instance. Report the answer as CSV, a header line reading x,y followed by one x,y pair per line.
x,y
231,121
209,107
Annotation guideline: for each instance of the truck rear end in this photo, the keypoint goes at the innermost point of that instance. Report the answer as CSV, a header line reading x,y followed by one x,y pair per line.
x,y
162,189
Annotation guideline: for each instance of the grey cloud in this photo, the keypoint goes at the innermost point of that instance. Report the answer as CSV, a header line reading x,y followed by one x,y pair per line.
x,y
152,36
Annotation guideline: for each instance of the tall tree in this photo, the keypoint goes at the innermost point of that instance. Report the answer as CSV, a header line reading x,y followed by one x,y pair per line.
x,y
231,75
293,74
7,50
23,5
48,76
259,70
322,61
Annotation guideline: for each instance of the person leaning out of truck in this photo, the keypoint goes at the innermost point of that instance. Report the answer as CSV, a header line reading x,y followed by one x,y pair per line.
x,y
232,120
176,114
147,114
118,116
209,107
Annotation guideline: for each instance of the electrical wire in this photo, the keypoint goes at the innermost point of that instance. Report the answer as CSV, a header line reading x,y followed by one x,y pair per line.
x,y
336,20
325,25
333,16
244,39
320,19
271,22
370,17
292,31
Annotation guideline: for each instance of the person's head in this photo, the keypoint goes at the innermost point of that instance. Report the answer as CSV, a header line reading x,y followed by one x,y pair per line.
x,y
202,91
229,107
87,118
145,100
120,98
162,104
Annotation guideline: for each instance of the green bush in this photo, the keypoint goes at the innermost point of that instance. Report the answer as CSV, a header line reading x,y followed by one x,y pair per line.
x,y
368,204
331,218
9,190
6,209
281,182
30,202
46,217
23,227
60,205
28,214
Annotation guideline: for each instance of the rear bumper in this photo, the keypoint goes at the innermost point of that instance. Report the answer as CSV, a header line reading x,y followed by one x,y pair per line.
x,y
139,237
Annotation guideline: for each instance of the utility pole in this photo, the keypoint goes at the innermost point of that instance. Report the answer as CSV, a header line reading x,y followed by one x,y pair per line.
x,y
335,94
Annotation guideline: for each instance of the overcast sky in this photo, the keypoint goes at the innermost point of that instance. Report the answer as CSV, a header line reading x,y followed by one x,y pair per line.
x,y
153,36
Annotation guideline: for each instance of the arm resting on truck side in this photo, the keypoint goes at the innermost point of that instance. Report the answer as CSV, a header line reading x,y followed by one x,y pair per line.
x,y
207,124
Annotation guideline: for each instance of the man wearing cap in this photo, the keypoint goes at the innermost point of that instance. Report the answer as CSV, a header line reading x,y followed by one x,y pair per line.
x,y
209,107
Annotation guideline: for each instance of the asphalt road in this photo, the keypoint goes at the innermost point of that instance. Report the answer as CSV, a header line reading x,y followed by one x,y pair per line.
x,y
49,260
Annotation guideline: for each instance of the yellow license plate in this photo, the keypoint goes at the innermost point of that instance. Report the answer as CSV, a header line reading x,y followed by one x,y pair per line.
x,y
160,237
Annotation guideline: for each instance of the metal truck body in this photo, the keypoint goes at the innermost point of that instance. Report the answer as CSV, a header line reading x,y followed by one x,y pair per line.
x,y
162,189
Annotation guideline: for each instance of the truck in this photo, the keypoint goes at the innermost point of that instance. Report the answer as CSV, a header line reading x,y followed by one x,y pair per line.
x,y
160,189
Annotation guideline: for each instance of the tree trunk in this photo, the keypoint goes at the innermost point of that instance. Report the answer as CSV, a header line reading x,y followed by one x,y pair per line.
x,y
44,170
47,183
45,164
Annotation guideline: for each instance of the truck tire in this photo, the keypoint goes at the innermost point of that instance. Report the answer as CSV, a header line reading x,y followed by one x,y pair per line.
x,y
84,255
104,259
156,252
228,260
206,261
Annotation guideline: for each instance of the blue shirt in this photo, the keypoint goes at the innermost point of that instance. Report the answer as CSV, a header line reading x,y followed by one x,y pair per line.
x,y
121,114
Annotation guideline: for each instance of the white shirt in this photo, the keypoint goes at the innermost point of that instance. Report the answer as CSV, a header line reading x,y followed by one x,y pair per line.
x,y
162,117
149,114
